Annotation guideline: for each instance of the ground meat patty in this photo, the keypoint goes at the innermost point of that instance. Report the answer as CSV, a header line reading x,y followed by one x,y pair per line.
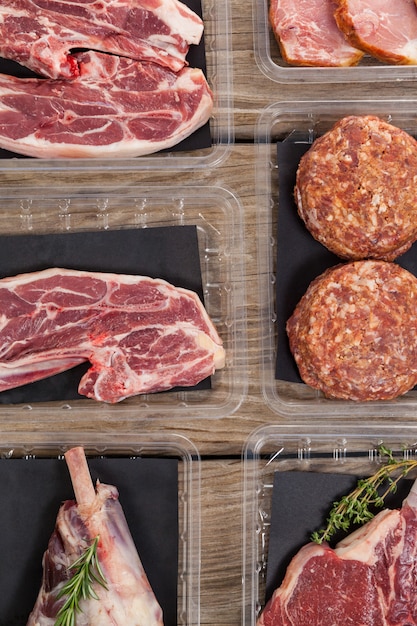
x,y
354,333
356,189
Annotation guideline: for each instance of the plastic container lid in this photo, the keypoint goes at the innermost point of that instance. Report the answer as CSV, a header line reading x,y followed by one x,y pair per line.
x,y
304,121
271,63
131,448
217,216
275,448
217,34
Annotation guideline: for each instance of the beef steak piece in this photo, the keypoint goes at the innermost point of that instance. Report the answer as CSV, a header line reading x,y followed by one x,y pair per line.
x,y
370,578
41,34
116,108
141,335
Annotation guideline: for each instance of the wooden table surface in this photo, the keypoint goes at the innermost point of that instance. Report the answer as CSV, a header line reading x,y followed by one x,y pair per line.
x,y
220,442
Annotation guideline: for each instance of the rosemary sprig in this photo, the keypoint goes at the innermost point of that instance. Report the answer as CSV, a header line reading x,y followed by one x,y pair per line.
x,y
79,587
355,507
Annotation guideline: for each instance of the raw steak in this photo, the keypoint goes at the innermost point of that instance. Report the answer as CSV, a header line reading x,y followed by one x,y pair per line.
x,y
385,29
307,34
369,579
140,334
116,108
40,34
129,599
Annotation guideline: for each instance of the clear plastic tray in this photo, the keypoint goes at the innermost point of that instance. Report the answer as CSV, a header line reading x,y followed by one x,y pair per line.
x,y
217,36
271,63
217,215
275,448
139,445
276,123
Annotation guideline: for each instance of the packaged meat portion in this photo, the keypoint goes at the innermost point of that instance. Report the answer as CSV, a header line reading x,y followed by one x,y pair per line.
x,y
140,334
307,34
368,579
341,33
43,35
356,189
116,107
160,98
330,528
118,591
102,79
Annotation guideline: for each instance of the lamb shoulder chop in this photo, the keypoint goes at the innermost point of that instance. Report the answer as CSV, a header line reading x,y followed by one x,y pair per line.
x,y
126,597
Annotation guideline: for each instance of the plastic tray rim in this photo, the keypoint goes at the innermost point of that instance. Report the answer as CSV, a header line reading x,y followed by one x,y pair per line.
x,y
175,444
319,408
309,75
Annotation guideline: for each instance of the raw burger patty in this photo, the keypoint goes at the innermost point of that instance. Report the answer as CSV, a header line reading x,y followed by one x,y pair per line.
x,y
356,189
354,332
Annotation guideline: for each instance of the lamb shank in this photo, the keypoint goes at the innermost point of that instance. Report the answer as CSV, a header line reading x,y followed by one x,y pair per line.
x,y
124,596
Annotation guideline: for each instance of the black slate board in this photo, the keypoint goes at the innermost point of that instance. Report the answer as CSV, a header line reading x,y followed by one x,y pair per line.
x,y
31,491
169,252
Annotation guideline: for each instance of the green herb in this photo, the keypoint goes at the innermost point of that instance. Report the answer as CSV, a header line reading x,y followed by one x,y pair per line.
x,y
79,587
355,507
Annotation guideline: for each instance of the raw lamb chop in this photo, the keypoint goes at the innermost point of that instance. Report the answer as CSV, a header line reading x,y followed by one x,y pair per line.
x,y
385,29
128,599
370,578
307,34
140,334
40,34
116,108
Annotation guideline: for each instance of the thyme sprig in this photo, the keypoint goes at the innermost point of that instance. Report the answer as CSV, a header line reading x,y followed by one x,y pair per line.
x,y
354,508
79,587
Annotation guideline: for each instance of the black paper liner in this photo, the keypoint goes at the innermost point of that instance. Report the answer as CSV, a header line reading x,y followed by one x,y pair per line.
x,y
196,57
300,258
31,491
170,253
301,502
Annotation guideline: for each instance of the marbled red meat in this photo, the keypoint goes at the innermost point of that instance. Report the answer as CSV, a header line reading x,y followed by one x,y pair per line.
x,y
140,335
370,578
307,34
128,599
386,29
116,108
40,34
